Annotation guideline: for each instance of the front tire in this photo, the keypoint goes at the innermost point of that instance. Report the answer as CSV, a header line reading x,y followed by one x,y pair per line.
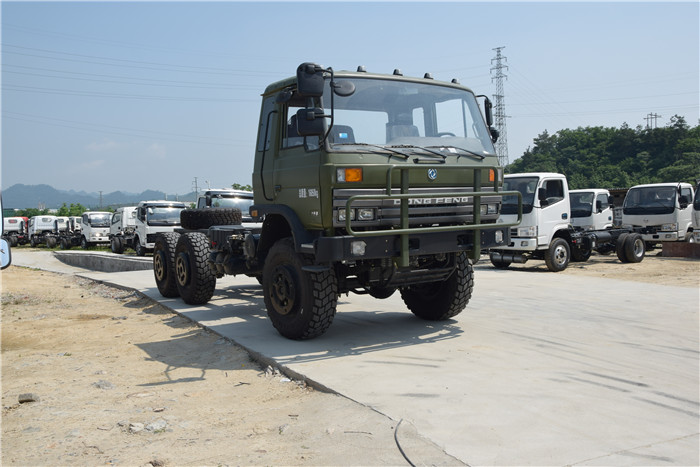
x,y
84,244
558,255
438,301
195,279
164,264
300,304
138,248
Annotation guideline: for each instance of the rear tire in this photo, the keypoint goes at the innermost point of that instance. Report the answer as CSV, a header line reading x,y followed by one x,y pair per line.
x,y
634,248
620,247
84,244
51,242
438,301
300,304
558,255
164,264
195,279
117,245
65,244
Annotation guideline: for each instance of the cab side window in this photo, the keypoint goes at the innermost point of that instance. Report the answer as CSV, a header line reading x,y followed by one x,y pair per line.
x,y
554,192
268,120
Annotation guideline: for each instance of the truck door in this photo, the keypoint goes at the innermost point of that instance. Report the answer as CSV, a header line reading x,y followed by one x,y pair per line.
x,y
554,209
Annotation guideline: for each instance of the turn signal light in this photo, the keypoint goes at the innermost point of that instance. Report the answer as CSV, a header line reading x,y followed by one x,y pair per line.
x,y
349,175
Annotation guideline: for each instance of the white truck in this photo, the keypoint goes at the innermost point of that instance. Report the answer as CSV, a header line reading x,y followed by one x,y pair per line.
x,y
227,198
696,215
41,229
94,227
591,209
662,212
68,232
546,231
152,218
15,230
122,229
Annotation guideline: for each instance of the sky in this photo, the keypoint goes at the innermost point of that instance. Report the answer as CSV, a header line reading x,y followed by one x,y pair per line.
x,y
129,96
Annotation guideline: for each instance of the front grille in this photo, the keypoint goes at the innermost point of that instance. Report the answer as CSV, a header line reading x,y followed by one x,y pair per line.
x,y
421,211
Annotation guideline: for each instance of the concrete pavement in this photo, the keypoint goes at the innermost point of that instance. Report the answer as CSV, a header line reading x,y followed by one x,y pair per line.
x,y
541,369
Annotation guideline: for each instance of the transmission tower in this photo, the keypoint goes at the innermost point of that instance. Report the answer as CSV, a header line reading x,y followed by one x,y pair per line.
x,y
499,113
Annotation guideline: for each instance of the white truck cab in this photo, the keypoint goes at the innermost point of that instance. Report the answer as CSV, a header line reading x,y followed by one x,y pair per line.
x,y
40,227
122,229
591,209
15,230
545,208
94,227
152,218
662,211
696,215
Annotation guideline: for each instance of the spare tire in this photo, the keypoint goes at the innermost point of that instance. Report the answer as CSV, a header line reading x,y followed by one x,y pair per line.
x,y
195,219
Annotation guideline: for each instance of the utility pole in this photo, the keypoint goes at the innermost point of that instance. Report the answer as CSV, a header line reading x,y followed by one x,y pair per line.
x,y
100,200
650,117
500,107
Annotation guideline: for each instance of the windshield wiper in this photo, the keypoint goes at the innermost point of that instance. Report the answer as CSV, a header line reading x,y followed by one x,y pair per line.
x,y
410,146
385,148
476,155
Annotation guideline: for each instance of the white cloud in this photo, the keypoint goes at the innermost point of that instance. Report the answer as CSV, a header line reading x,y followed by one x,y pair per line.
x,y
157,150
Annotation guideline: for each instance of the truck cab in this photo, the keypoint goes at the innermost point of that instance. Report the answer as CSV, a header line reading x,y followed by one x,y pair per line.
x,y
591,209
696,215
152,218
40,229
546,211
94,227
15,230
662,211
122,228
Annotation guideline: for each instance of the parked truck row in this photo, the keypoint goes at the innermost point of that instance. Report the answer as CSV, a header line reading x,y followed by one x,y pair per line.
x,y
559,226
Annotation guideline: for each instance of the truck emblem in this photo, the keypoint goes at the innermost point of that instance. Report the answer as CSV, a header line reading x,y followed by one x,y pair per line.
x,y
432,174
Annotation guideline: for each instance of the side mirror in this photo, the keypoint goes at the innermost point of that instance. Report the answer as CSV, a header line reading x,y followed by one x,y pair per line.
x,y
598,206
310,80
683,201
542,194
494,134
311,122
611,201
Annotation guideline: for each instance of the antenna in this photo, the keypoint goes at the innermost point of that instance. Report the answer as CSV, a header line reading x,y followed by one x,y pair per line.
x,y
499,114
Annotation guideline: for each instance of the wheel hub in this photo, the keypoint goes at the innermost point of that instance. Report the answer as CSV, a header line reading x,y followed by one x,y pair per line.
x,y
283,291
182,269
159,265
560,255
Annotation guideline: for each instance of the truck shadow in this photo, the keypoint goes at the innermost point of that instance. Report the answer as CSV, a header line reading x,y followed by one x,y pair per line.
x,y
237,313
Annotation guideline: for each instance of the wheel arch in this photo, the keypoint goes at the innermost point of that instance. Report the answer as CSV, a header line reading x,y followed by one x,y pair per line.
x,y
280,222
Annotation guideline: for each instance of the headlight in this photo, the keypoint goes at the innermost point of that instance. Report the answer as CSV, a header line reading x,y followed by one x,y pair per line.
x,y
489,209
365,214
671,227
341,215
530,231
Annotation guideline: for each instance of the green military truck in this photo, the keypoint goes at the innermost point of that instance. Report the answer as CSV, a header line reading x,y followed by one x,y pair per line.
x,y
363,183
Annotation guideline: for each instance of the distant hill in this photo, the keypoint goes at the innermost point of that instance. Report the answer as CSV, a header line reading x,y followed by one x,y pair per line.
x,y
34,196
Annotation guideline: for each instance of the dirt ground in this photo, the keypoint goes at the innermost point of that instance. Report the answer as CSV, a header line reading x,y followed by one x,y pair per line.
x,y
115,379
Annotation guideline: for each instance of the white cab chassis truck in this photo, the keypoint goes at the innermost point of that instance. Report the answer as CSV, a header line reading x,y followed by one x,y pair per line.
x,y
122,229
94,227
696,215
662,212
41,229
68,232
591,209
15,230
152,218
547,232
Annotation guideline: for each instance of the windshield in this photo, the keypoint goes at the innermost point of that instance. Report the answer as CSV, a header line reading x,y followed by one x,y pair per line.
x,y
526,186
164,215
650,200
241,203
582,204
99,220
404,114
